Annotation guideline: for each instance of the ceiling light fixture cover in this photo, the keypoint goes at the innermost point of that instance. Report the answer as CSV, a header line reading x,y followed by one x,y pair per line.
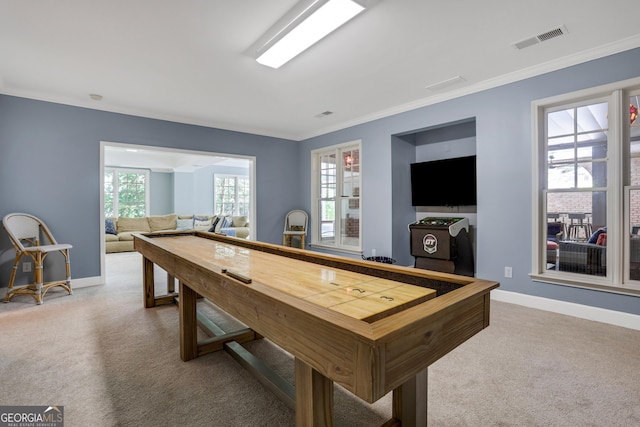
x,y
305,29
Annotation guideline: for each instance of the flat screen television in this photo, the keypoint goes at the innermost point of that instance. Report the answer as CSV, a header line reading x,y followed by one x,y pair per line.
x,y
448,182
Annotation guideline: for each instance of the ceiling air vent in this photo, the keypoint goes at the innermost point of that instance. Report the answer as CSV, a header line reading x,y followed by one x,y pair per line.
x,y
547,35
445,83
324,114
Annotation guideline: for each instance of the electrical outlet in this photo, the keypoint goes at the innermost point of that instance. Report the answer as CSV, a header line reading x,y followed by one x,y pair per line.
x,y
26,267
508,272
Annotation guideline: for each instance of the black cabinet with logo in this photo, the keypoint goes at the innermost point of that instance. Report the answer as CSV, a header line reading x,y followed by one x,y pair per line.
x,y
442,244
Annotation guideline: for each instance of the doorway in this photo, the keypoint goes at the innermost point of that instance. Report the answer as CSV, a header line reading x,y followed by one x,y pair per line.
x,y
179,181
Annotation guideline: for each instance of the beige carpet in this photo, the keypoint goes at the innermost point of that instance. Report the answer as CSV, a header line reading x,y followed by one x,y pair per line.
x,y
110,362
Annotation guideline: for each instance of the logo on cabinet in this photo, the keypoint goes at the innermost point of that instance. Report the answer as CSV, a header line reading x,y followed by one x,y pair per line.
x,y
430,243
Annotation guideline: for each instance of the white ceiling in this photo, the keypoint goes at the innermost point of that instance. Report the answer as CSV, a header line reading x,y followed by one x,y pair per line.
x,y
190,61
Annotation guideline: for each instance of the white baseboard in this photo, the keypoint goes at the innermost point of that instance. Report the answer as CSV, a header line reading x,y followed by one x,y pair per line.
x,y
617,318
75,284
85,282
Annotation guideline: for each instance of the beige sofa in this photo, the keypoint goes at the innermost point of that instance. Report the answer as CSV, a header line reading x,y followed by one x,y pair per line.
x,y
119,234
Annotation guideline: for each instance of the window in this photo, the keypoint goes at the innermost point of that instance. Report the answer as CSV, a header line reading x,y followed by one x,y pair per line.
x,y
231,195
335,192
588,179
126,193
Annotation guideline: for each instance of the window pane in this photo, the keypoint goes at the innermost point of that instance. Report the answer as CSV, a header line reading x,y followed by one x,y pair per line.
x,y
327,221
243,196
232,195
634,134
635,166
351,176
634,238
593,117
350,222
574,176
560,123
578,215
337,193
131,195
576,136
109,209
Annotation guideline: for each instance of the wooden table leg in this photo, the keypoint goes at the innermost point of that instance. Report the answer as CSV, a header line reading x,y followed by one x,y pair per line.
x,y
148,283
410,401
188,323
314,397
171,283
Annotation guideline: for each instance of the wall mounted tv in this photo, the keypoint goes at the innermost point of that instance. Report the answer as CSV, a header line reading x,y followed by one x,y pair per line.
x,y
448,182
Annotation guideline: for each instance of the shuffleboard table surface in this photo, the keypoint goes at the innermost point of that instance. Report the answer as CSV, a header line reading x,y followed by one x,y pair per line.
x,y
354,294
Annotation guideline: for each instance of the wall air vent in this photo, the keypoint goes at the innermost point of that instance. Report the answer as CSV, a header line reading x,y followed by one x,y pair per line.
x,y
547,35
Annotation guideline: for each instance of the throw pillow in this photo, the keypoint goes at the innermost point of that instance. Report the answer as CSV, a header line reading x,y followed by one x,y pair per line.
x,y
239,221
109,226
184,224
602,240
201,225
214,224
594,236
226,222
221,224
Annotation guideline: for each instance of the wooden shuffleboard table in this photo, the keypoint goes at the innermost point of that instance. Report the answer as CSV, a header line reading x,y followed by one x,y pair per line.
x,y
373,328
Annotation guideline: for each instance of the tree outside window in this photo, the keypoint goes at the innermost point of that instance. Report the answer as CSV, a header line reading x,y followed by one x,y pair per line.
x,y
125,193
232,195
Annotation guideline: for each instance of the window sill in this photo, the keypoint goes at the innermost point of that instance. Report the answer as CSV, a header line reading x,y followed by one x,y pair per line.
x,y
593,283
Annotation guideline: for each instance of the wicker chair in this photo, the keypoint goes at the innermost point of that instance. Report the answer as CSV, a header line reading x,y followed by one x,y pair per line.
x,y
583,258
26,233
295,225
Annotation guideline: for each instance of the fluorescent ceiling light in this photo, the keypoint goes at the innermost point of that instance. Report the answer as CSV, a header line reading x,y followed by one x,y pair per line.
x,y
306,29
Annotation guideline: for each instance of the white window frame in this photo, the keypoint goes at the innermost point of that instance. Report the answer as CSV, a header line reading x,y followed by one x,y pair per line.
x,y
315,197
237,204
617,277
147,187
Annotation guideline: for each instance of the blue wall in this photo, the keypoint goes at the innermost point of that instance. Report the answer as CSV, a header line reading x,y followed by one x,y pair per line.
x,y
161,193
50,167
504,149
